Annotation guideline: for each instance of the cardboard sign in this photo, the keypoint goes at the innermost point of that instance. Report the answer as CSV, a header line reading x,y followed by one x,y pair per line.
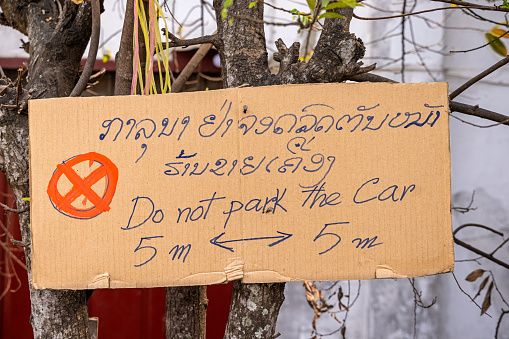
x,y
281,183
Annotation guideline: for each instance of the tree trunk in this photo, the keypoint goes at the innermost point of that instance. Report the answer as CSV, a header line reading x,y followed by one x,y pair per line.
x,y
56,48
186,308
255,307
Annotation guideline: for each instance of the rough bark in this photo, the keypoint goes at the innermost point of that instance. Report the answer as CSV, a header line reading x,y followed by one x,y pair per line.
x,y
186,308
255,307
56,47
124,57
244,58
13,14
254,310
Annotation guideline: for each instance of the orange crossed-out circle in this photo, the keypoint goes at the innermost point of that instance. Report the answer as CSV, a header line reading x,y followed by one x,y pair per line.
x,y
83,186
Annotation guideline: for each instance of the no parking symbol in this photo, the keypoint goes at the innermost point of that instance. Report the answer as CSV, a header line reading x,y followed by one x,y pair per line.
x,y
83,186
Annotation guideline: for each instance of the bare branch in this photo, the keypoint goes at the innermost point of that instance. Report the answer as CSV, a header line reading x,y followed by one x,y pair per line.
x,y
9,209
479,112
453,105
468,295
486,44
474,6
206,39
8,251
124,56
504,312
408,14
190,67
478,77
92,54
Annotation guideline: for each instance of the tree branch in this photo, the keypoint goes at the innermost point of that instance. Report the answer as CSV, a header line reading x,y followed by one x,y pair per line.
x,y
14,14
408,14
190,67
474,6
206,39
9,209
242,47
453,105
478,112
124,56
337,51
478,77
92,53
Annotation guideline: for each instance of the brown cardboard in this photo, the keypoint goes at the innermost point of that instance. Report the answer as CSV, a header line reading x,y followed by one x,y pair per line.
x,y
397,140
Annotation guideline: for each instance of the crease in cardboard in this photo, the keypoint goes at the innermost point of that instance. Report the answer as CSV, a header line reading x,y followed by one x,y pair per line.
x,y
100,281
385,272
235,269
267,276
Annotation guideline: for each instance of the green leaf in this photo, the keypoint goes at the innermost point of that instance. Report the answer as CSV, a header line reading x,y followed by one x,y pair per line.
x,y
330,15
336,5
343,3
230,22
325,3
497,45
26,199
252,4
294,11
224,11
351,3
311,4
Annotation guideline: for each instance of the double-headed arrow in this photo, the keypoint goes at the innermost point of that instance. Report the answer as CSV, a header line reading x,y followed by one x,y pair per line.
x,y
280,238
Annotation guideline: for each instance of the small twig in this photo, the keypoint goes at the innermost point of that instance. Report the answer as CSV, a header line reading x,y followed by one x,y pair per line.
x,y
453,105
25,72
190,67
7,249
488,256
9,209
479,112
92,54
407,14
478,77
19,243
258,21
209,78
474,6
418,296
2,74
469,207
482,46
504,312
496,287
480,126
18,87
176,42
468,295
